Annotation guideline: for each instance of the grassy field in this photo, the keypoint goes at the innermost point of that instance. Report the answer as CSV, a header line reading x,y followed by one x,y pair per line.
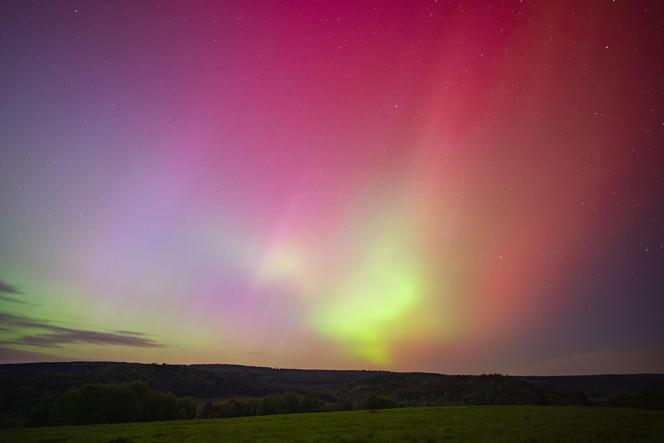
x,y
439,424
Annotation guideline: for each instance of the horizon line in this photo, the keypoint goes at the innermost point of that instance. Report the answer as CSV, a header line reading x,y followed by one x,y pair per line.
x,y
332,369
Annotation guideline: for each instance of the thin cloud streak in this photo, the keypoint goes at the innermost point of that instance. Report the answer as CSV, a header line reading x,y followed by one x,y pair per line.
x,y
14,300
58,335
6,288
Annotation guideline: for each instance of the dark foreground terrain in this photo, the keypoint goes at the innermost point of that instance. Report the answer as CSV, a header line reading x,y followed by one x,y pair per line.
x,y
436,424
46,394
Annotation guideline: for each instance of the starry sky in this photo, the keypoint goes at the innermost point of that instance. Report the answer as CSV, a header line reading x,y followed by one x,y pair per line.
x,y
459,187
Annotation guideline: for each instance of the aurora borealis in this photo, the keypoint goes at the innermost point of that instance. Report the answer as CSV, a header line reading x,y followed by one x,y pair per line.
x,y
443,186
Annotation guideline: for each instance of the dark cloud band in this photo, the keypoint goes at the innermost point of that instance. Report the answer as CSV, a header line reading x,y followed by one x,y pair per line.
x,y
56,336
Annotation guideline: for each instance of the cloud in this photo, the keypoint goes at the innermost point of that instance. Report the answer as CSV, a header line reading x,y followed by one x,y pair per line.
x,y
56,336
6,288
19,321
138,334
8,355
13,300
55,339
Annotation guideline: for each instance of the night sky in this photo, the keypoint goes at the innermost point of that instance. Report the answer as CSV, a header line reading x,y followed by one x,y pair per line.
x,y
459,187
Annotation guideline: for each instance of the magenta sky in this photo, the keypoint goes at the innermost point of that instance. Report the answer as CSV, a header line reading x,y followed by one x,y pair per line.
x,y
443,186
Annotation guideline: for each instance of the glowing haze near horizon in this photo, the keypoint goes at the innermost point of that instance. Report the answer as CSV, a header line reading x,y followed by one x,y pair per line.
x,y
440,186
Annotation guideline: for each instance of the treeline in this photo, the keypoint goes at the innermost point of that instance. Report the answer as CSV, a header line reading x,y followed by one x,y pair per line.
x,y
112,403
282,403
288,402
57,393
422,390
135,402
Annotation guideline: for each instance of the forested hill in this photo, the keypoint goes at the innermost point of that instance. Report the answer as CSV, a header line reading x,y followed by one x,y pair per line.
x,y
22,386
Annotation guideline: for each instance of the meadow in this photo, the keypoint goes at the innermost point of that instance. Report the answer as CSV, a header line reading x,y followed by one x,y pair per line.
x,y
421,424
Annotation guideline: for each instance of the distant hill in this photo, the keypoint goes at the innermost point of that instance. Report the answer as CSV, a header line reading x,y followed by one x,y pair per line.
x,y
25,386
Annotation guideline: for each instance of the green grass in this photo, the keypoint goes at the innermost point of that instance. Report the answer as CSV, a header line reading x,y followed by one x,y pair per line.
x,y
439,424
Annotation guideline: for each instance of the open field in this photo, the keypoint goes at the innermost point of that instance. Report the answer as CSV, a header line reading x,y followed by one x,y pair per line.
x,y
438,424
